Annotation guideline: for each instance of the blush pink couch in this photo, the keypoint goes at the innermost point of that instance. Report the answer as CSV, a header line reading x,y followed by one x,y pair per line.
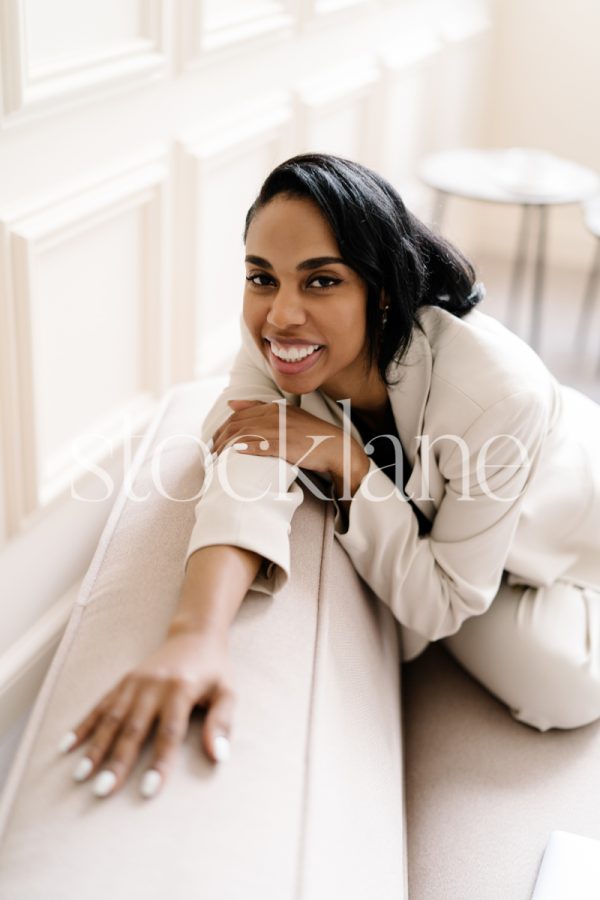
x,y
350,775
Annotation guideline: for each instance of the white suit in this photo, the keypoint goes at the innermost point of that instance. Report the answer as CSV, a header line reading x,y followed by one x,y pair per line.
x,y
472,398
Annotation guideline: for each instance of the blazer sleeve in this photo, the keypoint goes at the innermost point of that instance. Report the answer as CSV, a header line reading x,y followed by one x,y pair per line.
x,y
433,583
247,501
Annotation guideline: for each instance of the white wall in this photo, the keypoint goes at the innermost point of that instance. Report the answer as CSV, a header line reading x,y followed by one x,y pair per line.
x,y
546,78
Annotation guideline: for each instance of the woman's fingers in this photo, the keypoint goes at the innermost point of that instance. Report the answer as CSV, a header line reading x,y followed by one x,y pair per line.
x,y
72,739
232,436
128,741
216,729
253,412
100,727
174,719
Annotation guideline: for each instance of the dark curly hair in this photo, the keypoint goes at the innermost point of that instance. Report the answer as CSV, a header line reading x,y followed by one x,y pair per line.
x,y
381,240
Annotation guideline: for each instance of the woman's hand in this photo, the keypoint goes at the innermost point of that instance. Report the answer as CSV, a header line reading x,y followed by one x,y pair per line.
x,y
190,668
301,438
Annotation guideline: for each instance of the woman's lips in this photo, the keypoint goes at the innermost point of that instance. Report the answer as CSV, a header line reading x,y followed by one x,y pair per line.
x,y
293,368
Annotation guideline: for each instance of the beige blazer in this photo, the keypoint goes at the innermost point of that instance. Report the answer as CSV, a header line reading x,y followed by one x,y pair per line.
x,y
474,400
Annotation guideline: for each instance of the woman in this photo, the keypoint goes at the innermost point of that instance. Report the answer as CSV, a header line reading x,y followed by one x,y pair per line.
x,y
465,478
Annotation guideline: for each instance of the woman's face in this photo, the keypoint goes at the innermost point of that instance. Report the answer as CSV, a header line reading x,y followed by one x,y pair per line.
x,y
300,295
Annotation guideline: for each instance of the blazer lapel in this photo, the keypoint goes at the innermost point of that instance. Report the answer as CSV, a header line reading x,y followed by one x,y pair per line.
x,y
408,398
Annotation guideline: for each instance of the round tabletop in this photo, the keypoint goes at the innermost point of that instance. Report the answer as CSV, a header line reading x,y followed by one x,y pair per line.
x,y
513,175
591,213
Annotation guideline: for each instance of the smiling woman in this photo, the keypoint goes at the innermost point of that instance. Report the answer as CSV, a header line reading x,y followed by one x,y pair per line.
x,y
478,524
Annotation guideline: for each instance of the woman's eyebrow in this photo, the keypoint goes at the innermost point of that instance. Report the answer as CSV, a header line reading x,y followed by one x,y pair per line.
x,y
315,263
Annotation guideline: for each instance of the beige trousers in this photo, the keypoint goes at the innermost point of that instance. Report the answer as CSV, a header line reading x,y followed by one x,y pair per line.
x,y
538,651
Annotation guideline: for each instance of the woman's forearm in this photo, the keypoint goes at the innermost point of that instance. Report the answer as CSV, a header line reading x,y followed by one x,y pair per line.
x,y
216,581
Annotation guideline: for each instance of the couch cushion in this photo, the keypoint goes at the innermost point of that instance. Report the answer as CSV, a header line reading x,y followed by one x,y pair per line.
x,y
310,804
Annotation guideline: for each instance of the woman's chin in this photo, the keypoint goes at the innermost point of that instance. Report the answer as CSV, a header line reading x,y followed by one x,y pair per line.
x,y
292,384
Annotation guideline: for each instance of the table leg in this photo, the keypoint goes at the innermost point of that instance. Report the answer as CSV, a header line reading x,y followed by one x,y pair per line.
x,y
538,279
588,302
516,281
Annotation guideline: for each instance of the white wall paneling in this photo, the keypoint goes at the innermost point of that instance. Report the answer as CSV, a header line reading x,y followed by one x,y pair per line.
x,y
460,77
220,173
405,114
223,24
55,53
339,112
84,292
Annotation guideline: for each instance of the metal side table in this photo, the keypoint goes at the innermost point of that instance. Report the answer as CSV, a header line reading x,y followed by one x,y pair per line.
x,y
534,180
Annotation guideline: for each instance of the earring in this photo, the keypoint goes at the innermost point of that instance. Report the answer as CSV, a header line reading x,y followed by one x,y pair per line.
x,y
384,315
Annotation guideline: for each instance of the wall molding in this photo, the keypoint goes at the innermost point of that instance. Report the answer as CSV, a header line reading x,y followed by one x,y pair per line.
x,y
339,84
23,238
29,89
359,85
262,20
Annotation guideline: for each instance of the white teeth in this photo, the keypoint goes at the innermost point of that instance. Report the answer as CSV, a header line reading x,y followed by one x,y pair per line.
x,y
293,354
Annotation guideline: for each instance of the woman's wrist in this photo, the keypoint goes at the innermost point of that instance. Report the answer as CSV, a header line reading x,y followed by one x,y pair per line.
x,y
358,468
201,626
216,581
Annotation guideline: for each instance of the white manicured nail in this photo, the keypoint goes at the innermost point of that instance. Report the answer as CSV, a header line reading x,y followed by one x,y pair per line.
x,y
67,741
150,783
83,768
221,748
240,446
104,783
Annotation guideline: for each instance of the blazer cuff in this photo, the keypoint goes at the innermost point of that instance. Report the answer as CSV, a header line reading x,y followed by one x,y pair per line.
x,y
249,502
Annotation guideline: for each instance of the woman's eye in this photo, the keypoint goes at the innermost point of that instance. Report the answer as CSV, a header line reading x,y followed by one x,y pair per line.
x,y
331,281
251,278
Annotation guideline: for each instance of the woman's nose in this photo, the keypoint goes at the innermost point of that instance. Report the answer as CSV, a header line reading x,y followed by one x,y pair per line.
x,y
286,309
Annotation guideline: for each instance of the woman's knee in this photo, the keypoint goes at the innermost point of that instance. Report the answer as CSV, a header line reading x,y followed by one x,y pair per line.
x,y
565,635
565,696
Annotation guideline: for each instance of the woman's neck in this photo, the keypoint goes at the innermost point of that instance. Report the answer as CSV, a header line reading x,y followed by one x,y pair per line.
x,y
369,400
